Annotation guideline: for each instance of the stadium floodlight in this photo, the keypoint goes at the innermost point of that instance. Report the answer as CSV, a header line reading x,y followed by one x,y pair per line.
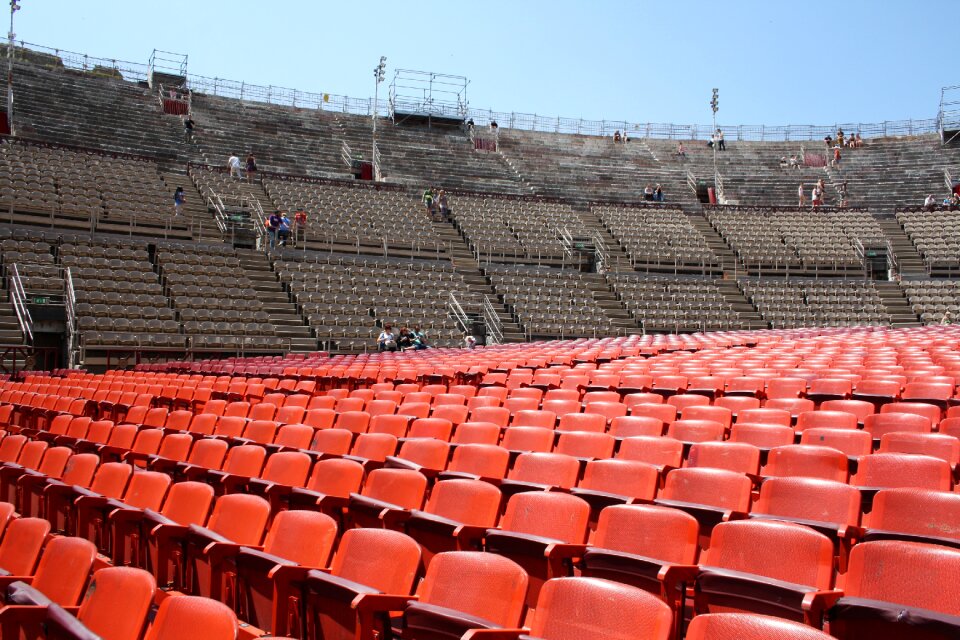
x,y
379,72
715,106
14,7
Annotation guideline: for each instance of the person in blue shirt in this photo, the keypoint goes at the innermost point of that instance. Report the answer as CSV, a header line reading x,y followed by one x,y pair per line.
x,y
178,199
273,227
284,231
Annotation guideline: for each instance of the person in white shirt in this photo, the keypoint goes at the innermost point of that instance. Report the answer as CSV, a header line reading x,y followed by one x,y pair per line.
x,y
387,340
469,341
930,202
236,170
801,195
816,195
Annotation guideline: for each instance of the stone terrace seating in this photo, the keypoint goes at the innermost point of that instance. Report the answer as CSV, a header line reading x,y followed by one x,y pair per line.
x,y
554,302
347,298
934,233
822,302
283,139
932,299
573,166
656,236
890,172
91,110
795,239
417,156
346,215
671,303
509,228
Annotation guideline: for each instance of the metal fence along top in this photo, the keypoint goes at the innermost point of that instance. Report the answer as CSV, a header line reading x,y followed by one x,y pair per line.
x,y
138,72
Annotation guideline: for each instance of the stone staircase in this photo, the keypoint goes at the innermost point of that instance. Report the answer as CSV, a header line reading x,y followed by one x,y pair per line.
x,y
201,222
290,325
909,260
729,262
618,260
750,318
10,333
477,284
607,299
897,305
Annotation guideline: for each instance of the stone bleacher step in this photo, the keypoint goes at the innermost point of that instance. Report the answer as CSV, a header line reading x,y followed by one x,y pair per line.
x,y
911,263
897,305
748,314
714,241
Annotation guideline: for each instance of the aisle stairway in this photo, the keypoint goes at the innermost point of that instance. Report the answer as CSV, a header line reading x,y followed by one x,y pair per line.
x,y
477,284
897,305
729,262
910,262
290,325
750,318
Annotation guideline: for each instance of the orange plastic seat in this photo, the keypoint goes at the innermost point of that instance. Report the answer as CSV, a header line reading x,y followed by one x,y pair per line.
x,y
650,547
465,590
535,439
661,452
542,532
111,590
767,567
534,471
937,445
367,562
189,617
21,545
585,444
386,491
852,442
917,515
454,518
618,612
892,470
896,589
733,456
691,431
762,436
709,495
882,423
747,626
808,461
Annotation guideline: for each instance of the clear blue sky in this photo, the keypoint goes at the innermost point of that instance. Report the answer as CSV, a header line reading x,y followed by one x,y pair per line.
x,y
813,62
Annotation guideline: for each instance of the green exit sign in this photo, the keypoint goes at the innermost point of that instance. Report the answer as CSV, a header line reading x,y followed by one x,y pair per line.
x,y
40,299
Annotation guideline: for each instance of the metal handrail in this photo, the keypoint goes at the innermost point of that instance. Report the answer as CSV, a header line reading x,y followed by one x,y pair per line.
x,y
948,179
70,301
492,320
18,298
346,154
459,315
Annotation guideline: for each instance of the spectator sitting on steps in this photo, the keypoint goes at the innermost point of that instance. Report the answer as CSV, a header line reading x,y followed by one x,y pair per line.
x,y
648,193
387,340
469,342
658,194
929,203
794,162
616,137
840,137
419,338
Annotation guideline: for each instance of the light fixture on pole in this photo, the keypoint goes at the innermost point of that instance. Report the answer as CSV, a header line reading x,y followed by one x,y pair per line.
x,y
378,74
714,106
14,7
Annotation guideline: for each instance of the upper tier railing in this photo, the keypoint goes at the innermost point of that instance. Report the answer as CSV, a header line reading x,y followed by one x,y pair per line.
x,y
138,72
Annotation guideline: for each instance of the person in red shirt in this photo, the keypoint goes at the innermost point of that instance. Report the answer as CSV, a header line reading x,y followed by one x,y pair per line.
x,y
300,225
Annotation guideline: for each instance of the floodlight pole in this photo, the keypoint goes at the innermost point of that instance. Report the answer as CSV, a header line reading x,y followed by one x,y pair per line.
x,y
10,36
378,74
714,106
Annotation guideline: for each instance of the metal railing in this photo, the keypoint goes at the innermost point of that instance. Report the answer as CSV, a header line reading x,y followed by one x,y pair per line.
x,y
133,71
18,298
346,154
721,195
459,315
69,302
492,320
948,179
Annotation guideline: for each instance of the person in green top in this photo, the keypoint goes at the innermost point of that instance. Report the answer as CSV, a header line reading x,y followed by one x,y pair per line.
x,y
427,200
